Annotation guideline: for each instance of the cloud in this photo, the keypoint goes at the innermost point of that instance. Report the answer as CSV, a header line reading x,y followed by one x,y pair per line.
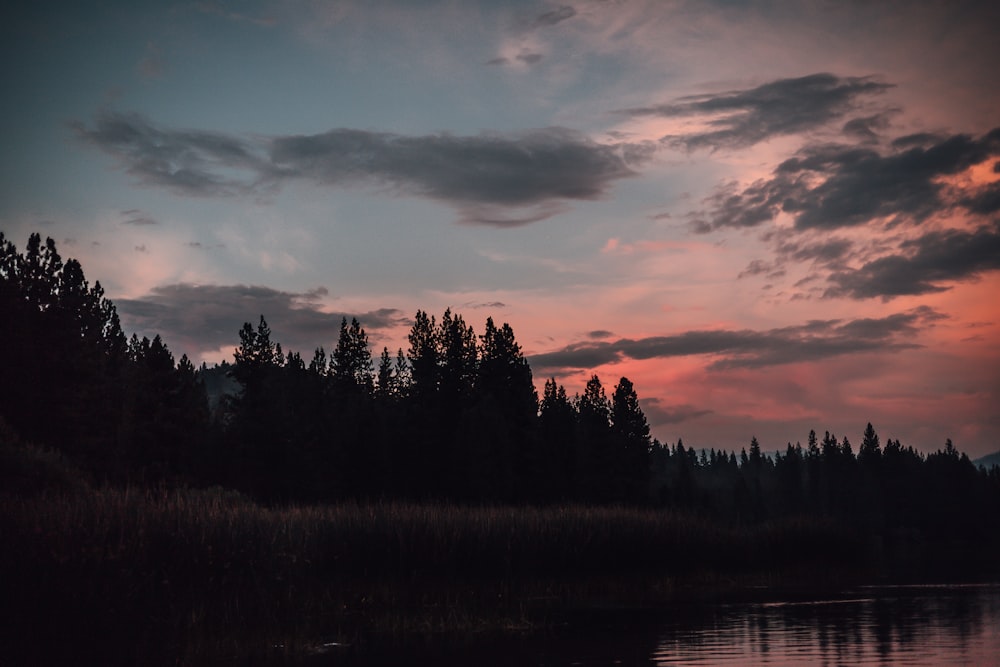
x,y
491,178
138,218
491,305
923,265
758,267
658,414
986,200
827,252
550,18
209,317
813,341
186,162
867,129
742,118
524,56
832,186
488,177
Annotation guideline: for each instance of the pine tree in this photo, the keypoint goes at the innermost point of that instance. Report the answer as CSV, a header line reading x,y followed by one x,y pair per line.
x,y
424,356
385,379
558,433
870,453
596,453
630,433
351,363
459,360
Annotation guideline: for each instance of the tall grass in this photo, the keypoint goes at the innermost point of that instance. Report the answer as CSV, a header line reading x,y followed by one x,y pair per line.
x,y
212,569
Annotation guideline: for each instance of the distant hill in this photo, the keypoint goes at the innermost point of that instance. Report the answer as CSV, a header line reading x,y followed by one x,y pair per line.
x,y
989,460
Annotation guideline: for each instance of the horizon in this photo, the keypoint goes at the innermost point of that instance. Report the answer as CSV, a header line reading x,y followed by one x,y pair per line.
x,y
770,220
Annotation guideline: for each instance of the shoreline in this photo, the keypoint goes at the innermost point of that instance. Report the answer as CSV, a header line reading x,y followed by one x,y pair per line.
x,y
191,574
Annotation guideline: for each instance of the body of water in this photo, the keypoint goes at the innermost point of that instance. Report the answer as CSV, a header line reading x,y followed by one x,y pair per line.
x,y
906,625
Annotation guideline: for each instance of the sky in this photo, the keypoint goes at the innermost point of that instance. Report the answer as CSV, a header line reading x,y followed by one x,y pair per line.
x,y
770,216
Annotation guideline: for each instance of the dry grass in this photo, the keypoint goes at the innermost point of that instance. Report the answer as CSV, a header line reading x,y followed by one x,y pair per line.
x,y
210,570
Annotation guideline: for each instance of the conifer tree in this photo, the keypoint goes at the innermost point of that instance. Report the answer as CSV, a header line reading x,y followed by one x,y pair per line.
x,y
596,452
424,356
351,363
630,432
871,452
459,359
558,433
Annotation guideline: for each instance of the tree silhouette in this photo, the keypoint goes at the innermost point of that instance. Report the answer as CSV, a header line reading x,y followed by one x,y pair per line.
x,y
595,450
351,367
505,415
871,452
630,435
558,450
260,415
455,419
64,350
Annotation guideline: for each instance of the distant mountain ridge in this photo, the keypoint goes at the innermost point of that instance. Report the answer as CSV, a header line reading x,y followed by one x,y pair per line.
x,y
988,461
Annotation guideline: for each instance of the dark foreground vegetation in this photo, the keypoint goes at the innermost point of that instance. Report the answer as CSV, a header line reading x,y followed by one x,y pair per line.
x,y
142,575
431,491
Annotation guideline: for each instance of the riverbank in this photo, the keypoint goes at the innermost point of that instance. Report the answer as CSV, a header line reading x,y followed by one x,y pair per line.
x,y
204,570
130,575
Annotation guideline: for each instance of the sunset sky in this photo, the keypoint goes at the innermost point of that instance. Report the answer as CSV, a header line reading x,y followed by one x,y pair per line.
x,y
770,216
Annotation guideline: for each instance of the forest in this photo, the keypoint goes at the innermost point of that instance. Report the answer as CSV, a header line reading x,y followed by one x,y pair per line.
x,y
119,426
456,417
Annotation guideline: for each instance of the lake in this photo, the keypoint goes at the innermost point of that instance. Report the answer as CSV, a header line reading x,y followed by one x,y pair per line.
x,y
904,625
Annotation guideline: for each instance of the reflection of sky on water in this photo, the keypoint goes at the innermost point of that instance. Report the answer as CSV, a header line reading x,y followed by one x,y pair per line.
x,y
910,625
903,625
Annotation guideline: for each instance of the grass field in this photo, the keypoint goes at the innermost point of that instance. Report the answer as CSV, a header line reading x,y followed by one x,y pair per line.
x,y
210,572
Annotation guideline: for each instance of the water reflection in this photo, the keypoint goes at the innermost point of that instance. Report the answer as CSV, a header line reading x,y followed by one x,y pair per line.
x,y
948,625
904,625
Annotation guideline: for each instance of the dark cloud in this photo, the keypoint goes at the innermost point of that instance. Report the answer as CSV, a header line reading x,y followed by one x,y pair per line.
x,y
925,265
134,216
919,140
196,318
833,186
486,304
494,179
599,334
526,57
813,341
557,15
484,176
742,118
188,162
756,268
867,129
759,267
984,201
827,252
729,207
658,414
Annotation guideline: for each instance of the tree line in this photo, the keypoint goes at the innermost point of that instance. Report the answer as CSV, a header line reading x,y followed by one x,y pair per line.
x,y
454,417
